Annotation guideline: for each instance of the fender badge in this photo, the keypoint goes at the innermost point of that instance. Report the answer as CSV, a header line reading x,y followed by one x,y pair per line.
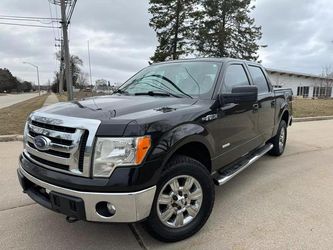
x,y
209,117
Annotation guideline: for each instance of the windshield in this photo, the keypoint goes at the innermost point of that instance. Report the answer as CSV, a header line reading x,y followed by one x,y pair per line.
x,y
183,79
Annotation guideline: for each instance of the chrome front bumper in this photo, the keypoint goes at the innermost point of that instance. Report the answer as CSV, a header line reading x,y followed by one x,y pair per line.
x,y
130,207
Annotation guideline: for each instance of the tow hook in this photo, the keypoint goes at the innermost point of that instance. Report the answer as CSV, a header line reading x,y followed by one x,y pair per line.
x,y
70,219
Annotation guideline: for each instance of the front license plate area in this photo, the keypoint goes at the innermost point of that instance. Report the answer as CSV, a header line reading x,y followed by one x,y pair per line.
x,y
68,205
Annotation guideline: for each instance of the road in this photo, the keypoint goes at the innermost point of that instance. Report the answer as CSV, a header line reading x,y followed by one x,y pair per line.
x,y
8,100
277,203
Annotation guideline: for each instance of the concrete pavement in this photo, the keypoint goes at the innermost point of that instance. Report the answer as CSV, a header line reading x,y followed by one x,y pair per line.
x,y
278,203
51,99
9,99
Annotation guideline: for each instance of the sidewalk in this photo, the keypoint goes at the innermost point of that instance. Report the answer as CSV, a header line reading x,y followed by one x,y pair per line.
x,y
51,99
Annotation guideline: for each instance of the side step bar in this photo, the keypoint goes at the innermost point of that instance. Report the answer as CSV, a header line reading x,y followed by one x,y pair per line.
x,y
226,175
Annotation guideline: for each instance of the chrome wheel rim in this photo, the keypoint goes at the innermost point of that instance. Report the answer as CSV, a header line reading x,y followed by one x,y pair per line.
x,y
282,138
179,201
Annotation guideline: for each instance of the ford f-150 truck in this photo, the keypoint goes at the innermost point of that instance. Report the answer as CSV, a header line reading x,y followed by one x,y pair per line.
x,y
153,150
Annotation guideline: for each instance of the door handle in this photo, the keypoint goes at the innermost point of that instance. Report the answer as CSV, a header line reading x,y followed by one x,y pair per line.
x,y
273,104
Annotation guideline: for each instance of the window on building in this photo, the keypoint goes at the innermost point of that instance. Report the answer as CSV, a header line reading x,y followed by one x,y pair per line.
x,y
235,76
322,91
259,79
303,91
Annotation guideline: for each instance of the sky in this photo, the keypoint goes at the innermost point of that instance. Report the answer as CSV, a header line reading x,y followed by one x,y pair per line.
x,y
298,35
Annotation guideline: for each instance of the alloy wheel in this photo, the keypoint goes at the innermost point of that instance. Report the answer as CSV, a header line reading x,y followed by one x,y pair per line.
x,y
179,201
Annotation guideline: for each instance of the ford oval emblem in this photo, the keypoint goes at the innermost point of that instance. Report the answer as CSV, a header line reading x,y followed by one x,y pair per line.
x,y
42,143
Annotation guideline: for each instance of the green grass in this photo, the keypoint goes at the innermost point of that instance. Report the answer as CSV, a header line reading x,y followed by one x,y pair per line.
x,y
13,117
310,108
78,95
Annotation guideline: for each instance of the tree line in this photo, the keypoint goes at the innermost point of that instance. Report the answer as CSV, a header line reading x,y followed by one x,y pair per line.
x,y
214,28
10,83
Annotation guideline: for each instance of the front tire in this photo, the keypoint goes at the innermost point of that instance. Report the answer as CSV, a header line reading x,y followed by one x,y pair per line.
x,y
279,140
183,202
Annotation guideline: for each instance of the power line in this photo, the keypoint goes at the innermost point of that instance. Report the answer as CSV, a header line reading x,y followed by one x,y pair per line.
x,y
27,20
55,37
58,17
28,25
68,7
29,17
71,11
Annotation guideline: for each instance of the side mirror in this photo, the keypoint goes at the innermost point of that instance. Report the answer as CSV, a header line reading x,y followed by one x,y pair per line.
x,y
240,95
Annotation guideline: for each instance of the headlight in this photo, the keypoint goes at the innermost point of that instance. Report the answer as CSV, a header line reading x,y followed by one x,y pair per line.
x,y
113,152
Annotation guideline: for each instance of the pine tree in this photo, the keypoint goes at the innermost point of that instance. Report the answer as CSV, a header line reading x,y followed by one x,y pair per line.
x,y
225,29
171,21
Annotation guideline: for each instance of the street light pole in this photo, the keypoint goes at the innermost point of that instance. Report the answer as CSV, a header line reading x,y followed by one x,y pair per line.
x,y
35,66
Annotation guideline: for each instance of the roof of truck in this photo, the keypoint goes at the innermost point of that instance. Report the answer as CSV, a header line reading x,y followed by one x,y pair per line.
x,y
208,59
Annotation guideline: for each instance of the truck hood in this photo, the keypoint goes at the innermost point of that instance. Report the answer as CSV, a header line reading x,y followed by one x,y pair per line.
x,y
106,108
131,115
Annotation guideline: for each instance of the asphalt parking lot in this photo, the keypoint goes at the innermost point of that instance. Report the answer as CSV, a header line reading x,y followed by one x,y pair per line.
x,y
278,203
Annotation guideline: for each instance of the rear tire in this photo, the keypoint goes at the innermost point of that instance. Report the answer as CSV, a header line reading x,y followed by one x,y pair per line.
x,y
279,140
183,201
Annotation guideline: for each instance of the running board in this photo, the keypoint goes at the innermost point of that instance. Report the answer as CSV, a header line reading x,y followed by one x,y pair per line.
x,y
227,174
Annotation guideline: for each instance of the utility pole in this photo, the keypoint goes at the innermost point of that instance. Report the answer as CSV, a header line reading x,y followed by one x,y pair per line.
x,y
68,70
61,72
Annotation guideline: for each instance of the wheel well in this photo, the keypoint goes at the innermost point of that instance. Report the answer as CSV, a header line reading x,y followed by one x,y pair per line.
x,y
197,151
285,117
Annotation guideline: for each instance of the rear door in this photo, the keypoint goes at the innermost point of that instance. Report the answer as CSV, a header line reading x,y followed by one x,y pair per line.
x,y
237,123
266,102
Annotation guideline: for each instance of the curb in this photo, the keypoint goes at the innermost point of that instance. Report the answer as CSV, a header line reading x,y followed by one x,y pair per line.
x,y
7,138
314,118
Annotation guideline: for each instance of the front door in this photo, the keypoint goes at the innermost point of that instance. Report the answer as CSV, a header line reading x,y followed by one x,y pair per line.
x,y
237,123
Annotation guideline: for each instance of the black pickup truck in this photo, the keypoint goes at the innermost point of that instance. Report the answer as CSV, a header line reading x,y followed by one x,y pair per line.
x,y
153,150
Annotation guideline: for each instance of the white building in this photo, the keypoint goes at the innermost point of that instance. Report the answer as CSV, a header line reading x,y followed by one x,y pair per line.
x,y
305,85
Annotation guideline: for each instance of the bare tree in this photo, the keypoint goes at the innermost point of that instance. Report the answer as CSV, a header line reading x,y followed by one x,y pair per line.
x,y
327,82
82,79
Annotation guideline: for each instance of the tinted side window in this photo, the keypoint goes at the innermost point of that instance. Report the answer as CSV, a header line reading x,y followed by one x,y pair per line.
x,y
234,76
259,79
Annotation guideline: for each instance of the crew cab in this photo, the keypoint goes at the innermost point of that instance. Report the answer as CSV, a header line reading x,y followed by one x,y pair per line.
x,y
153,150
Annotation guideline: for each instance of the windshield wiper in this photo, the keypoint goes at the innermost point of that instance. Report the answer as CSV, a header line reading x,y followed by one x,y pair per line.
x,y
153,93
120,91
169,81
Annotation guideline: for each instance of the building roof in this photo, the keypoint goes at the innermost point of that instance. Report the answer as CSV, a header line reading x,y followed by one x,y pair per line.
x,y
206,59
290,73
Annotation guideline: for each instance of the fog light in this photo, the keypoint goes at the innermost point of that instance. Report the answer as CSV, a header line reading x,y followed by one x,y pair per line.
x,y
105,209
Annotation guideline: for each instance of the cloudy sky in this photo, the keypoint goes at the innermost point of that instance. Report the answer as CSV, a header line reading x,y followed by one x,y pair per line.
x,y
298,33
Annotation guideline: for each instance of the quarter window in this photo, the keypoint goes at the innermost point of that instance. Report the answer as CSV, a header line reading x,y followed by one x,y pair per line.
x,y
235,76
259,79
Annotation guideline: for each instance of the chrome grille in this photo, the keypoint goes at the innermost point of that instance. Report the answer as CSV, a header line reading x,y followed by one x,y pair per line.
x,y
70,142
